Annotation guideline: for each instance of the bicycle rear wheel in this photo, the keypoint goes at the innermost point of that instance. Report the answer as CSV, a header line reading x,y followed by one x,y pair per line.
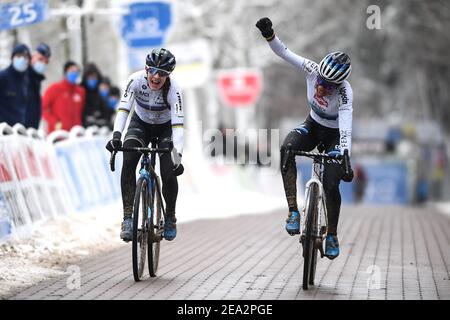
x,y
140,228
156,224
309,247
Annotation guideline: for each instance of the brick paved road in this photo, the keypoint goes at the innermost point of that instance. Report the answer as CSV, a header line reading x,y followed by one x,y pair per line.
x,y
251,257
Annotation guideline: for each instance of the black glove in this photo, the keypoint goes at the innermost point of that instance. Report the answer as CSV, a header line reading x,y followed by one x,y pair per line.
x,y
265,26
115,142
178,169
349,177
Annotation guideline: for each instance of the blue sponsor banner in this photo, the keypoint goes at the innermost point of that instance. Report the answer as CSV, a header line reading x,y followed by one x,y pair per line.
x,y
387,182
15,14
147,23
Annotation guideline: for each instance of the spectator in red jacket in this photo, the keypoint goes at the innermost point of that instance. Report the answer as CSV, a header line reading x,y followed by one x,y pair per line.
x,y
63,102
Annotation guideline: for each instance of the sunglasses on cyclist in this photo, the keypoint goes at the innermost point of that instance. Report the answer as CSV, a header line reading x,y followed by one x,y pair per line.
x,y
329,86
156,71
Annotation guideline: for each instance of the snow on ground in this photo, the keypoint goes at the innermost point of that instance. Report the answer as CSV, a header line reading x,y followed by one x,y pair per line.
x,y
55,244
215,192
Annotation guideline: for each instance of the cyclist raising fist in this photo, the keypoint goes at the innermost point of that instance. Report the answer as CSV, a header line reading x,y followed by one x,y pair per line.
x,y
329,125
158,114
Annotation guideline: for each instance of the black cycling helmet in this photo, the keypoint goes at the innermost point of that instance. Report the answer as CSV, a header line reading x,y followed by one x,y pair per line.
x,y
162,59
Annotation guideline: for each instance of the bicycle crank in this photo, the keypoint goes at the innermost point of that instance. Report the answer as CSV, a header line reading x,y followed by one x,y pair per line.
x,y
319,246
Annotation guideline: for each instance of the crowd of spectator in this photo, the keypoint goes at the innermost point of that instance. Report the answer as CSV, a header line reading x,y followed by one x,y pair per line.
x,y
81,97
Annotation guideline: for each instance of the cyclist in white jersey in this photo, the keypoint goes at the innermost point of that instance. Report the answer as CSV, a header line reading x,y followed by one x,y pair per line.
x,y
328,127
158,115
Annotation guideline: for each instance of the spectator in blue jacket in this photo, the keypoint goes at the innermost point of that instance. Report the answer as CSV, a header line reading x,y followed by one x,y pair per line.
x,y
15,87
39,62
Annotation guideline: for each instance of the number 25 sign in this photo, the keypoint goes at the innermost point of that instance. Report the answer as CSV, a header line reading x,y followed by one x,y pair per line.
x,y
16,14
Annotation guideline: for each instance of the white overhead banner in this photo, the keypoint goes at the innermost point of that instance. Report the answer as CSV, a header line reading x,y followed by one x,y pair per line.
x,y
194,62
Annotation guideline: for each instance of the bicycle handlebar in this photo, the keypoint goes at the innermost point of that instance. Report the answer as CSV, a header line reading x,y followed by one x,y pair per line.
x,y
144,150
134,149
317,155
312,154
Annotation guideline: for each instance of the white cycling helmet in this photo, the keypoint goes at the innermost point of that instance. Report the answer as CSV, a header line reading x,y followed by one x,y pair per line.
x,y
335,67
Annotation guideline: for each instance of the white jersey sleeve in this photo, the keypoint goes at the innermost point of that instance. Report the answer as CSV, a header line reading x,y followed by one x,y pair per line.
x,y
175,100
310,67
334,111
345,116
125,104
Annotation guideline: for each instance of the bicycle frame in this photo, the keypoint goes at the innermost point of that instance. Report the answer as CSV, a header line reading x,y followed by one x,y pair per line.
x,y
147,172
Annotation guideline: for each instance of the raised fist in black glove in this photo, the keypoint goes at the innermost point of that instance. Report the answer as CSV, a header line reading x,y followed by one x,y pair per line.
x,y
265,26
115,142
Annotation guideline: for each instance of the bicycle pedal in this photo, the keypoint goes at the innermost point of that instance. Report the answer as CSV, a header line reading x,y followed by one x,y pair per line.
x,y
160,234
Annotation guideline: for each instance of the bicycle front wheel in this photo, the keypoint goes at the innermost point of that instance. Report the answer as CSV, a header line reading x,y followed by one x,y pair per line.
x,y
140,228
309,248
156,224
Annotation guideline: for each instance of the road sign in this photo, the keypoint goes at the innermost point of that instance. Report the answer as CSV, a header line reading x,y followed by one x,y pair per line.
x,y
240,87
16,14
147,24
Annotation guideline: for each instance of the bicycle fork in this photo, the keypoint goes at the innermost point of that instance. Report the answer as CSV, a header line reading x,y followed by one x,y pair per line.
x,y
320,229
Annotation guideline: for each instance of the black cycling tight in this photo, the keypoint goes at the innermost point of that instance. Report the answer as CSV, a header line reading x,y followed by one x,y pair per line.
x,y
138,135
306,137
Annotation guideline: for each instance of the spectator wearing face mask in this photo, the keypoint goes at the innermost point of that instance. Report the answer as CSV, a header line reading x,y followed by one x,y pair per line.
x,y
15,87
39,62
103,89
94,106
113,102
63,102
